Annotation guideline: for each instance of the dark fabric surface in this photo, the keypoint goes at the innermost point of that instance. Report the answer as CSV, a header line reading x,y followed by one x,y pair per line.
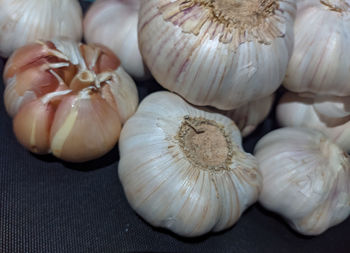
x,y
50,206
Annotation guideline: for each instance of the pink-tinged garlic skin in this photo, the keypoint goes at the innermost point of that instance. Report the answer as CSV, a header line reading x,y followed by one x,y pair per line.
x,y
209,64
296,111
23,22
113,23
68,98
319,63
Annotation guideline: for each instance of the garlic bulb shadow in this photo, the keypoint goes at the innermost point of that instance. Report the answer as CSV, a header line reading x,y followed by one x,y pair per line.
x,y
184,169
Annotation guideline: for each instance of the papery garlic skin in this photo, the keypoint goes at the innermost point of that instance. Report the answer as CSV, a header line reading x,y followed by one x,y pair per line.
x,y
248,117
223,57
113,23
23,22
67,98
318,64
305,179
179,179
296,111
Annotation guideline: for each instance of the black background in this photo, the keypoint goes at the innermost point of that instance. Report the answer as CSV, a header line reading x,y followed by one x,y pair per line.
x,y
47,205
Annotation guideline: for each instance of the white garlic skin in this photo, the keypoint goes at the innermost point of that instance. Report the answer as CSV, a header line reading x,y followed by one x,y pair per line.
x,y
249,116
305,179
296,111
318,63
113,23
23,21
165,188
206,71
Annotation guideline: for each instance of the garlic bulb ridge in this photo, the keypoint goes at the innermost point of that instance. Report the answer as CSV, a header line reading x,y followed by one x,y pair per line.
x,y
68,98
305,179
218,53
188,172
23,22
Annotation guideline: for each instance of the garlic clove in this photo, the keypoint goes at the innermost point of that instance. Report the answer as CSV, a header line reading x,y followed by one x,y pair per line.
x,y
99,27
296,111
318,64
31,126
221,53
333,107
23,22
85,127
305,179
189,172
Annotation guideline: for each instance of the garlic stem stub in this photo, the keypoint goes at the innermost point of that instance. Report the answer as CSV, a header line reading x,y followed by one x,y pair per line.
x,y
188,172
113,23
296,111
319,63
23,22
68,98
219,53
305,179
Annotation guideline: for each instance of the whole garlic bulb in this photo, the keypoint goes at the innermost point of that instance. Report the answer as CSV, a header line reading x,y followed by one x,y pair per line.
x,y
296,111
305,179
249,116
218,53
318,63
68,99
188,172
23,21
114,23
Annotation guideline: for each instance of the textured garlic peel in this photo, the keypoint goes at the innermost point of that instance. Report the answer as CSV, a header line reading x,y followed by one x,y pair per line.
x,y
296,111
23,22
305,179
68,98
318,63
218,53
188,172
113,23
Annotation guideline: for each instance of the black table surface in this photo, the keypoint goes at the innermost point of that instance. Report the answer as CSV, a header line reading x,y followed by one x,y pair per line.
x,y
48,206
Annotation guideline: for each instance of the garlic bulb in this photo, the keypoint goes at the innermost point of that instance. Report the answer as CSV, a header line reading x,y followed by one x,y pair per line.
x,y
318,63
188,172
305,179
218,53
113,23
68,98
23,21
295,111
249,116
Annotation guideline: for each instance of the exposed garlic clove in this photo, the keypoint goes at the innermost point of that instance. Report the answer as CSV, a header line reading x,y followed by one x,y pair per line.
x,y
332,107
188,172
249,116
23,22
88,93
296,111
305,179
218,53
100,25
318,64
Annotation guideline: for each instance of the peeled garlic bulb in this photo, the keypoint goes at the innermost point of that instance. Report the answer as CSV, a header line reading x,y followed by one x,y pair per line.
x,y
295,111
218,53
305,179
68,99
319,64
23,21
114,23
188,171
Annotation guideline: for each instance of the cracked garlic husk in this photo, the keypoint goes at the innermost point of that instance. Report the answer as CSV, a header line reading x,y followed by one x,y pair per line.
x,y
23,22
296,111
219,53
305,179
67,98
113,23
188,173
318,64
